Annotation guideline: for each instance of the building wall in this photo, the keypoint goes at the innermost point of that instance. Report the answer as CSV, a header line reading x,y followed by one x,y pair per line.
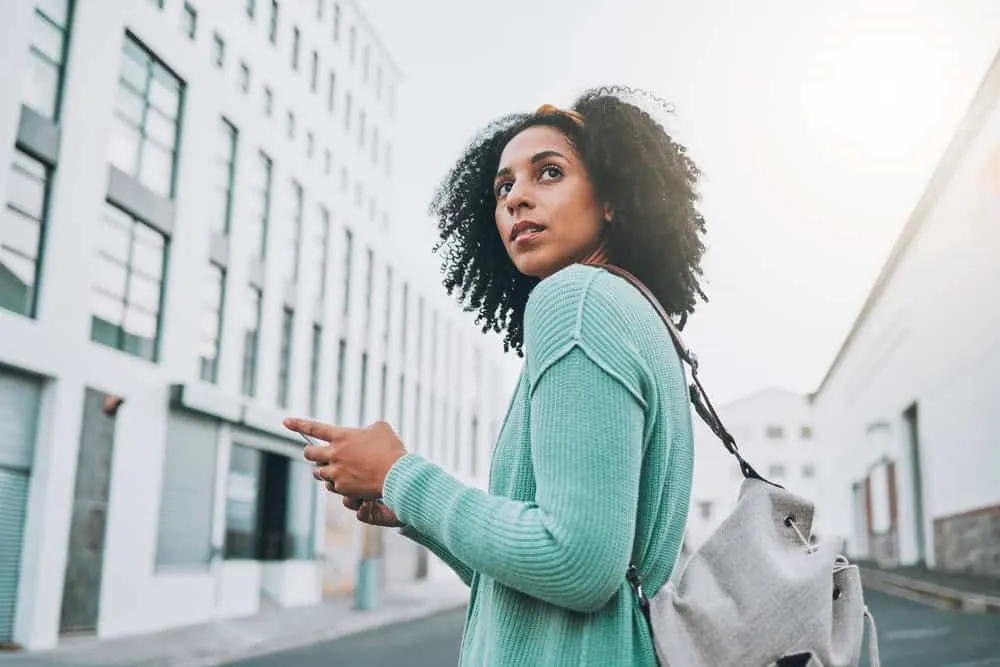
x,y
774,431
55,344
930,338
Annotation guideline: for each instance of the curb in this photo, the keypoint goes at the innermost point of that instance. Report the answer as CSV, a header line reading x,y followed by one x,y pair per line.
x,y
943,597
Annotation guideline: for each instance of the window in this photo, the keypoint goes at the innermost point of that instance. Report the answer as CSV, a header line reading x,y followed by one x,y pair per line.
x,y
808,471
225,167
348,252
347,110
158,3
314,72
244,80
268,101
261,197
22,230
314,364
362,399
295,237
776,471
331,91
362,122
401,404
310,145
378,83
211,322
146,123
327,162
388,304
402,326
251,8
366,62
324,254
388,159
50,25
369,270
383,388
806,433
242,493
189,21
352,43
375,145
392,101
775,432
285,357
705,509
218,50
296,44
290,125
272,30
338,411
251,340
128,278
336,21
343,179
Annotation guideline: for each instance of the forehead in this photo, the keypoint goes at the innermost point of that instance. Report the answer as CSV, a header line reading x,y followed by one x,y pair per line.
x,y
532,141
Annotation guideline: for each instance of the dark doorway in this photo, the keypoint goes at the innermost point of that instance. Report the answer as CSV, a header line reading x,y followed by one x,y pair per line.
x,y
84,564
910,418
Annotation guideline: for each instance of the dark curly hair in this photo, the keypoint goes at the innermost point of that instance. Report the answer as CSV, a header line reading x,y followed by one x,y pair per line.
x,y
644,175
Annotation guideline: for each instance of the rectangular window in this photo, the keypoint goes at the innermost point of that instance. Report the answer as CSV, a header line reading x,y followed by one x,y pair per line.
x,y
290,124
366,62
392,101
295,233
127,286
348,257
251,341
387,319
705,509
369,275
272,30
268,101
331,91
296,44
324,254
244,80
310,145
285,357
352,43
362,399
47,55
378,83
327,162
362,122
383,390
225,171
338,410
22,232
806,432
210,332
375,138
189,21
348,103
314,72
146,120
261,198
251,8
388,159
314,367
776,471
242,502
218,51
336,21
808,471
775,432
401,404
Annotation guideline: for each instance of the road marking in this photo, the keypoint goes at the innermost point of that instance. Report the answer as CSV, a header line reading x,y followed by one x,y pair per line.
x,y
910,634
985,662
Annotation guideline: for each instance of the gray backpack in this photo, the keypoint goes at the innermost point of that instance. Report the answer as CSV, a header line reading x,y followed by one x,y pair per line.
x,y
759,592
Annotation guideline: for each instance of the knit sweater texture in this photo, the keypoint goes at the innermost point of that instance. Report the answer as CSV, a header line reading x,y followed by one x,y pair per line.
x,y
591,470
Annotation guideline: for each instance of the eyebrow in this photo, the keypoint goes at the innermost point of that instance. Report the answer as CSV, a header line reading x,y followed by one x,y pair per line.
x,y
536,158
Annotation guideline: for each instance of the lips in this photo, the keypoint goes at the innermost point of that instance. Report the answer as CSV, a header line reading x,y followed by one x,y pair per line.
x,y
524,227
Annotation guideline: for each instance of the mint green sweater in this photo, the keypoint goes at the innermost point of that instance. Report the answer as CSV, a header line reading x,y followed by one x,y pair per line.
x,y
592,469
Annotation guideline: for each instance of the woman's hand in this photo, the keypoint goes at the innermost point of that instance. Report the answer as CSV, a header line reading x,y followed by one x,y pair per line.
x,y
373,512
355,461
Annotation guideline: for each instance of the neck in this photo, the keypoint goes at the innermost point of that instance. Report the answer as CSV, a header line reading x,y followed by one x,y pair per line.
x,y
598,256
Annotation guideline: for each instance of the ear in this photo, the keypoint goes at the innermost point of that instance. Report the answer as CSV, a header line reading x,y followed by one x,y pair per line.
x,y
609,214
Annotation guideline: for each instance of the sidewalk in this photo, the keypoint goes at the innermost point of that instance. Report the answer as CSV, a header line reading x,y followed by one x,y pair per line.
x,y
949,590
271,630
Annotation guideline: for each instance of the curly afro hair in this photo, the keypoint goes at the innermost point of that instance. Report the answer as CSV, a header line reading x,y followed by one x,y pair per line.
x,y
645,176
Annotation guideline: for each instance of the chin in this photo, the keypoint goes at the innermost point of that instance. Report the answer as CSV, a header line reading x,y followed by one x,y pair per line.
x,y
536,267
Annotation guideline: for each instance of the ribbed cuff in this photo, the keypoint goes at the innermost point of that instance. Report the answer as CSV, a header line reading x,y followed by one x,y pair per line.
x,y
419,492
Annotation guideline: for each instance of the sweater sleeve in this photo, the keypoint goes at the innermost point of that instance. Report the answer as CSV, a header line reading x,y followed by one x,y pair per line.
x,y
463,571
571,545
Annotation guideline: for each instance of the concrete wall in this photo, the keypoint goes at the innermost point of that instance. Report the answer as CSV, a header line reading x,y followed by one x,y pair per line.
x,y
929,337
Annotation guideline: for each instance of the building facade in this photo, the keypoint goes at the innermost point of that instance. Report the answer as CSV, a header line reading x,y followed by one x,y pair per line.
x,y
907,411
196,241
773,429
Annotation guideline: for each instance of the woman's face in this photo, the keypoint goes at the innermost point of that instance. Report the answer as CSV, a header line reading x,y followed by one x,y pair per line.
x,y
547,214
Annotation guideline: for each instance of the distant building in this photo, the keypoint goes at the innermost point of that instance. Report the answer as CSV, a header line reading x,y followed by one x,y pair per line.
x,y
773,429
907,413
196,241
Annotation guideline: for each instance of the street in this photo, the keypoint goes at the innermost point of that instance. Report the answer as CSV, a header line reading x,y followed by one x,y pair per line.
x,y
910,635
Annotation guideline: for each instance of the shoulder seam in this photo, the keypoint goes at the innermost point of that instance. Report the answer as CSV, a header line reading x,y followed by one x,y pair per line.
x,y
578,325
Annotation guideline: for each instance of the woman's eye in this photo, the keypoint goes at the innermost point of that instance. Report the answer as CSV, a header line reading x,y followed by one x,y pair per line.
x,y
503,189
552,171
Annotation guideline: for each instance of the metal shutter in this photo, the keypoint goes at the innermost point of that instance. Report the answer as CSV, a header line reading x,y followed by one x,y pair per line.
x,y
188,491
19,403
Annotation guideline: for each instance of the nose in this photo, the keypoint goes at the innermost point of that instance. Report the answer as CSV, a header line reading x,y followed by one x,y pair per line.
x,y
520,196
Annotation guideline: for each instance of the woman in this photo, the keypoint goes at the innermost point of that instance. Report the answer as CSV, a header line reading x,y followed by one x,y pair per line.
x,y
592,467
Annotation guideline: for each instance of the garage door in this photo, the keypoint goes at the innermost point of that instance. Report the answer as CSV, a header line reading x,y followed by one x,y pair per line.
x,y
19,401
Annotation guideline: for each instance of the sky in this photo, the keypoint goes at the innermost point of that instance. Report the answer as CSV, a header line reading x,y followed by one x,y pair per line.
x,y
816,126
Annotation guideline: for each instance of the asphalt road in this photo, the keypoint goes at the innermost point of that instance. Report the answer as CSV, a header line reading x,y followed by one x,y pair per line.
x,y
910,635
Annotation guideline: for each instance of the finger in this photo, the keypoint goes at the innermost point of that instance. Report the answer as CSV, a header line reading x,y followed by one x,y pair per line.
x,y
318,453
315,429
352,503
331,487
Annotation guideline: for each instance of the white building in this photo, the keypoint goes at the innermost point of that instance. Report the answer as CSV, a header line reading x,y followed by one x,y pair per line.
x,y
773,429
908,409
196,241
